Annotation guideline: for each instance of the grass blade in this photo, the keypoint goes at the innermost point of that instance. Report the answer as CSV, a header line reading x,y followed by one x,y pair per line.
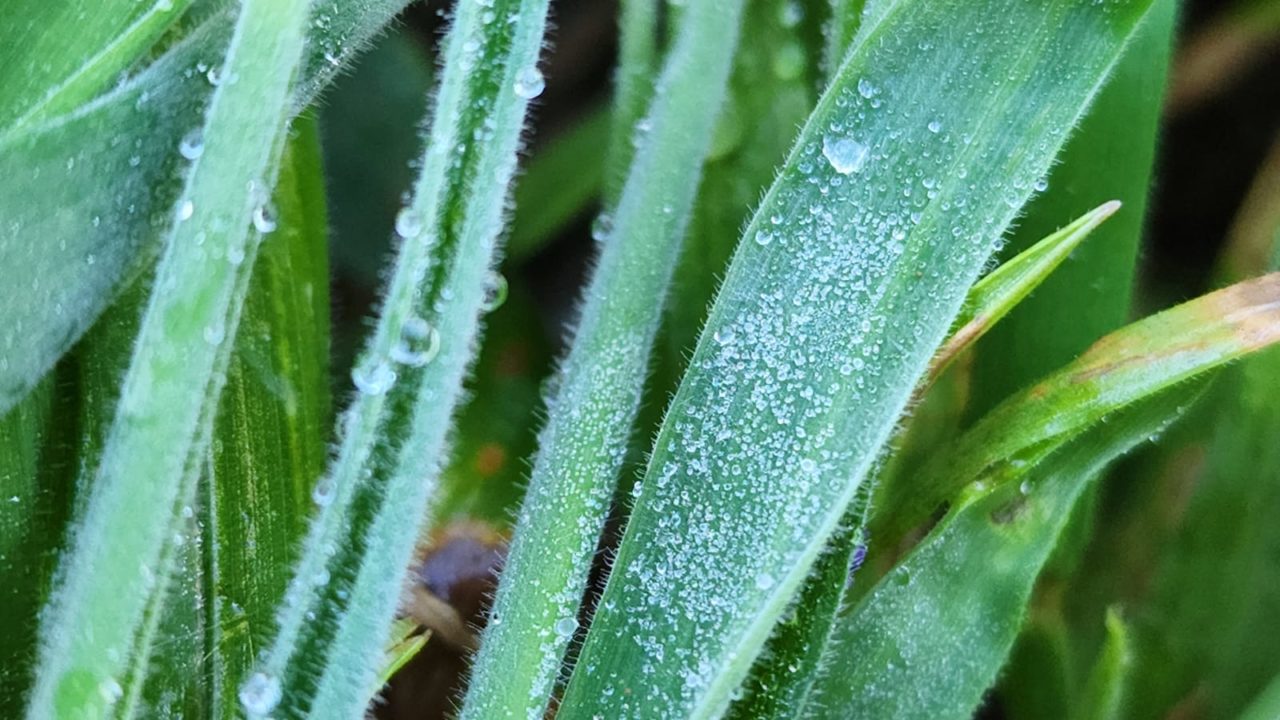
x,y
967,585
374,496
1001,290
590,417
638,62
1134,362
269,444
752,511
82,242
1267,704
166,404
1103,697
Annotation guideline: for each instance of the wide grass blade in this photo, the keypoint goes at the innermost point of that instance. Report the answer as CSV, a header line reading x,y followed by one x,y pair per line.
x,y
967,586
336,616
82,241
269,443
590,416
897,191
120,553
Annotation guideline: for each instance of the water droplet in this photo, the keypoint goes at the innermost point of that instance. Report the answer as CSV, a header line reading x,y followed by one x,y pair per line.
x,y
790,14
865,88
185,210
496,293
1042,184
723,335
530,83
408,223
214,334
260,694
601,227
566,626
1025,487
373,378
110,690
935,126
846,155
264,218
213,76
764,237
419,343
322,493
192,145
764,581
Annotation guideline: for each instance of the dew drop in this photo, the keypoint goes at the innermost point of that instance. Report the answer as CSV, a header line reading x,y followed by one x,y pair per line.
x,y
566,626
264,218
419,343
935,126
110,690
260,694
530,83
764,581
1042,184
724,335
845,154
496,293
408,223
764,237
185,210
602,227
322,493
373,379
192,145
214,334
213,76
865,88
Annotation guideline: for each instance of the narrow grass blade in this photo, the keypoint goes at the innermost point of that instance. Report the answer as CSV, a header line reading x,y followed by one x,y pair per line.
x,y
342,600
803,369
560,182
846,18
166,404
590,417
81,241
638,64
1000,291
1267,705
269,443
1103,696
1134,362
967,586
1110,157
46,69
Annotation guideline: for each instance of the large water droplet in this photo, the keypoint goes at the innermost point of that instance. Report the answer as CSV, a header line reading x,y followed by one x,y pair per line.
x,y
530,83
260,694
185,210
419,343
846,155
373,378
408,223
322,493
764,581
566,626
192,145
264,218
496,293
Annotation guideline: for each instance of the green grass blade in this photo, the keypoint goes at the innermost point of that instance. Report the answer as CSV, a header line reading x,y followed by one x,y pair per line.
x,y
345,589
1110,157
1134,362
46,69
1001,290
966,586
1103,696
590,418
166,403
800,374
1267,705
846,18
638,63
81,241
274,415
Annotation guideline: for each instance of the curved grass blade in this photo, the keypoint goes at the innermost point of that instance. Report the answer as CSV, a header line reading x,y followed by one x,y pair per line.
x,y
967,585
803,369
269,443
345,589
81,241
46,70
166,403
584,442
1001,290
1134,362
1111,156
1103,696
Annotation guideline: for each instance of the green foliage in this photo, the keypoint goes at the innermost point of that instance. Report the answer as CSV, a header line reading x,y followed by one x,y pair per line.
x,y
801,456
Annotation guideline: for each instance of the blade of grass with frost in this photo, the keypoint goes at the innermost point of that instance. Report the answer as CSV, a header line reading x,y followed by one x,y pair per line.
x,y
95,237
1111,156
1133,362
559,183
46,70
173,377
787,669
341,602
269,442
824,324
967,586
638,65
590,418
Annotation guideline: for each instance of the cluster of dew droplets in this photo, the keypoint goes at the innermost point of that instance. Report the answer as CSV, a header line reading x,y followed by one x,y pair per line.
x,y
260,695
